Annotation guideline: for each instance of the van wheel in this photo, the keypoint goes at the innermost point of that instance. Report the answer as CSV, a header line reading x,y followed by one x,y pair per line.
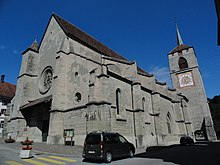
x,y
108,157
131,154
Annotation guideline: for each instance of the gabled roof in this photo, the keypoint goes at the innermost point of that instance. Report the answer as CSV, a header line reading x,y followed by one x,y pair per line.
x,y
7,90
87,40
84,38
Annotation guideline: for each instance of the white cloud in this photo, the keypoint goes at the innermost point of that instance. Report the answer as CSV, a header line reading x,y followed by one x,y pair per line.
x,y
162,74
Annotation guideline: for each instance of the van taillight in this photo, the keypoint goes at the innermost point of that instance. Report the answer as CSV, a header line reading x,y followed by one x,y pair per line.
x,y
101,146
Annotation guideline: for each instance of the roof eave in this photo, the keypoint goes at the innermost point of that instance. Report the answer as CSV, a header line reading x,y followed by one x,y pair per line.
x,y
174,50
36,51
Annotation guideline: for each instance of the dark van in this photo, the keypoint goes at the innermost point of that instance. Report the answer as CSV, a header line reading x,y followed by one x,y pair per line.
x,y
107,146
186,140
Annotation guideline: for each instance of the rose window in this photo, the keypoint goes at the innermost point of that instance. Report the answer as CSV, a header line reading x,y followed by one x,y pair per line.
x,y
46,80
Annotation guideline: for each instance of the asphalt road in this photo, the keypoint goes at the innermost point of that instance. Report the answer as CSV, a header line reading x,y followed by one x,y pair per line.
x,y
202,153
199,154
8,154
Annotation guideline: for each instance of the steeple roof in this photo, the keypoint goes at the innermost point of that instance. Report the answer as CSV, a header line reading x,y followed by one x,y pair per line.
x,y
179,38
34,47
180,45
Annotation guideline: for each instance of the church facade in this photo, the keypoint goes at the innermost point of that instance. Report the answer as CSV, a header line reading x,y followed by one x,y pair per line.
x,y
71,84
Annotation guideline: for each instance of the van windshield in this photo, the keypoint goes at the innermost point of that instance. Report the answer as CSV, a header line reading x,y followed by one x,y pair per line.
x,y
93,139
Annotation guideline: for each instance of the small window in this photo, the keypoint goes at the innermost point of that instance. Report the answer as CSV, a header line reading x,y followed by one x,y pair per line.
x,y
78,97
183,63
76,74
168,122
118,93
143,103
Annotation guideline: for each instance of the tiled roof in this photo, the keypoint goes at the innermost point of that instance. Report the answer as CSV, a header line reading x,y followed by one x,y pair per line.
x,y
180,48
84,38
7,90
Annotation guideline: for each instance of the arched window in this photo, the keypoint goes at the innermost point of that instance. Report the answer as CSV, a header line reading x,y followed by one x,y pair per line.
x,y
168,122
118,99
143,103
182,63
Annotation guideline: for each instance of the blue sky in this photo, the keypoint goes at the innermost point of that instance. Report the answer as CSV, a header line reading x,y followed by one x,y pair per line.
x,y
140,30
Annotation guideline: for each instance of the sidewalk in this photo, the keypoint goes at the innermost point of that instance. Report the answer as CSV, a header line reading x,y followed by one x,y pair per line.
x,y
43,148
56,149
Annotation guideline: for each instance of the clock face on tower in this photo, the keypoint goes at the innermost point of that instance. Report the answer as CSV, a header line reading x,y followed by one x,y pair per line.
x,y
185,79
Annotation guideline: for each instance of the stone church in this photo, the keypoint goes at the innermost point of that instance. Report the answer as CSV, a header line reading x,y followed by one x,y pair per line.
x,y
71,84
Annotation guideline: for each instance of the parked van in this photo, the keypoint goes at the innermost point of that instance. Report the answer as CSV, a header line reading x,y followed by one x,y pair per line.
x,y
107,146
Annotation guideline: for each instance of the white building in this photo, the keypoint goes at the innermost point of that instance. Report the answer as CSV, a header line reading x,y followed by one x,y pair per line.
x,y
7,91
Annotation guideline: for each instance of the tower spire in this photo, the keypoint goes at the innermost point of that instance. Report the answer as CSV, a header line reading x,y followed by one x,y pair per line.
x,y
34,46
179,39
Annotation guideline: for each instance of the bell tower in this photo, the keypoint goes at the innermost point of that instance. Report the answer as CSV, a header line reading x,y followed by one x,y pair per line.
x,y
186,78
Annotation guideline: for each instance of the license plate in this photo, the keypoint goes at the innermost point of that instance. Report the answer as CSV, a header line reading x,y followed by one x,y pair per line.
x,y
91,152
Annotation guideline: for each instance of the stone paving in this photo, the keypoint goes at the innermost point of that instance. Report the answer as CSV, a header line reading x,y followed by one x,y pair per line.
x,y
43,148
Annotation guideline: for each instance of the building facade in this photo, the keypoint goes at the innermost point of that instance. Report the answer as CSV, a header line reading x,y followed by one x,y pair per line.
x,y
7,92
214,105
186,78
71,84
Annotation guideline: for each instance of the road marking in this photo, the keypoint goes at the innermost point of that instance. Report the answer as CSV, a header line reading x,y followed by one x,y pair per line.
x,y
13,163
61,158
50,160
33,162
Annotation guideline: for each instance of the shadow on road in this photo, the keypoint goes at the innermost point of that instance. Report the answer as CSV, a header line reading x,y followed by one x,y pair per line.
x,y
200,153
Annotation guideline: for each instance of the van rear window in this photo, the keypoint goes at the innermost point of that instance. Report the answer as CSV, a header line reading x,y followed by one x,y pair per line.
x,y
93,139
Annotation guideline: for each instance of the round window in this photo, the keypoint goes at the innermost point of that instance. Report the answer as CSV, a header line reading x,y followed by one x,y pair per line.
x,y
46,80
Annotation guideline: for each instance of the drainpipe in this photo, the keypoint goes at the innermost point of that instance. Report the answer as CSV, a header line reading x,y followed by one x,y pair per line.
x,y
132,104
